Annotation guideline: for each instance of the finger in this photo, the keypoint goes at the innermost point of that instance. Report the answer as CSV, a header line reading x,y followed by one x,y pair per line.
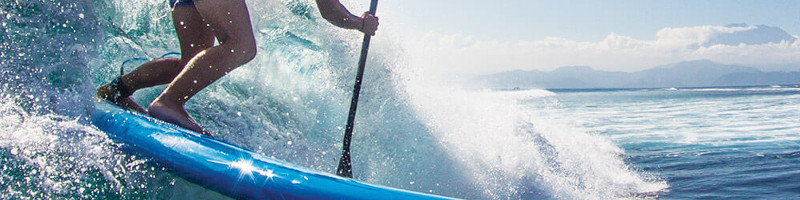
x,y
367,14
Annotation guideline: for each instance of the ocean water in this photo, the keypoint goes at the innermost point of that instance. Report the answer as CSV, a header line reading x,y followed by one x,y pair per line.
x,y
414,130
707,143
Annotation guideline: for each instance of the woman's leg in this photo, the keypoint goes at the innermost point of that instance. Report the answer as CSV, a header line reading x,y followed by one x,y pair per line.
x,y
194,37
229,20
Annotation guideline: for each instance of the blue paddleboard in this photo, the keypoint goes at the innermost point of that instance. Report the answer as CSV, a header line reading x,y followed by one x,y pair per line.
x,y
230,169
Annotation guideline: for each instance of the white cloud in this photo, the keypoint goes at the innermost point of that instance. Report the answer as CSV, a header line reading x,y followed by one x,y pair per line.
x,y
464,54
696,35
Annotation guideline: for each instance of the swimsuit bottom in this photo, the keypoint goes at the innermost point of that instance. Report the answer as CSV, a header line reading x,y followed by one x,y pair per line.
x,y
173,3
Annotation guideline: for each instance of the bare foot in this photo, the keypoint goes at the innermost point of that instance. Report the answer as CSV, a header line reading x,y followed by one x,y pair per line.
x,y
176,115
105,92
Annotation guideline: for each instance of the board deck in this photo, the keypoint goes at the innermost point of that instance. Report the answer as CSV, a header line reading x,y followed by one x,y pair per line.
x,y
229,169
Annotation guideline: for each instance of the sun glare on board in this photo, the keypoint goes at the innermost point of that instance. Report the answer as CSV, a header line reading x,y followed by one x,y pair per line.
x,y
246,168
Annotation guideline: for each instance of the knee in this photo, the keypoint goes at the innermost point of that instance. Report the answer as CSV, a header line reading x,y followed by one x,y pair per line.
x,y
245,50
251,52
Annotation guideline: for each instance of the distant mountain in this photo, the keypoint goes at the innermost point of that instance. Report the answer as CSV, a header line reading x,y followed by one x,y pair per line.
x,y
700,73
761,78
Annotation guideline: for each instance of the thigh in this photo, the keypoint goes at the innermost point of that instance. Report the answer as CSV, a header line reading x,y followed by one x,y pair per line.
x,y
194,34
229,19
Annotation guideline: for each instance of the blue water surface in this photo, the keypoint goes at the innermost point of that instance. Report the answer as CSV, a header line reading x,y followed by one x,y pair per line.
x,y
707,143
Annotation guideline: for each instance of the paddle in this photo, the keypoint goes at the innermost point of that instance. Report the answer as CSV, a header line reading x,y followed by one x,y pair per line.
x,y
345,167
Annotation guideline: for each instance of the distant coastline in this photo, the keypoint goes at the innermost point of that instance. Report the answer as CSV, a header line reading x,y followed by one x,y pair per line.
x,y
689,74
564,90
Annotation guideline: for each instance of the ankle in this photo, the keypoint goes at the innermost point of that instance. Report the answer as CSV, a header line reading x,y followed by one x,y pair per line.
x,y
121,89
162,101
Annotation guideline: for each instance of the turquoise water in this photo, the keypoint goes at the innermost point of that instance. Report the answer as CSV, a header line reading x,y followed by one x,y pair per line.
x,y
413,130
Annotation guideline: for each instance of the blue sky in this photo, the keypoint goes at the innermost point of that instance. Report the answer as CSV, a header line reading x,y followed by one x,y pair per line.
x,y
587,20
479,37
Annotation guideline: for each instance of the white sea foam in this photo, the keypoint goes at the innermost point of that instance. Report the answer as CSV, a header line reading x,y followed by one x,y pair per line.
x,y
52,148
513,151
51,156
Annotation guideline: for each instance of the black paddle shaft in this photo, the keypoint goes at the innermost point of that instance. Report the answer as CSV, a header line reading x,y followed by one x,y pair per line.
x,y
345,166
